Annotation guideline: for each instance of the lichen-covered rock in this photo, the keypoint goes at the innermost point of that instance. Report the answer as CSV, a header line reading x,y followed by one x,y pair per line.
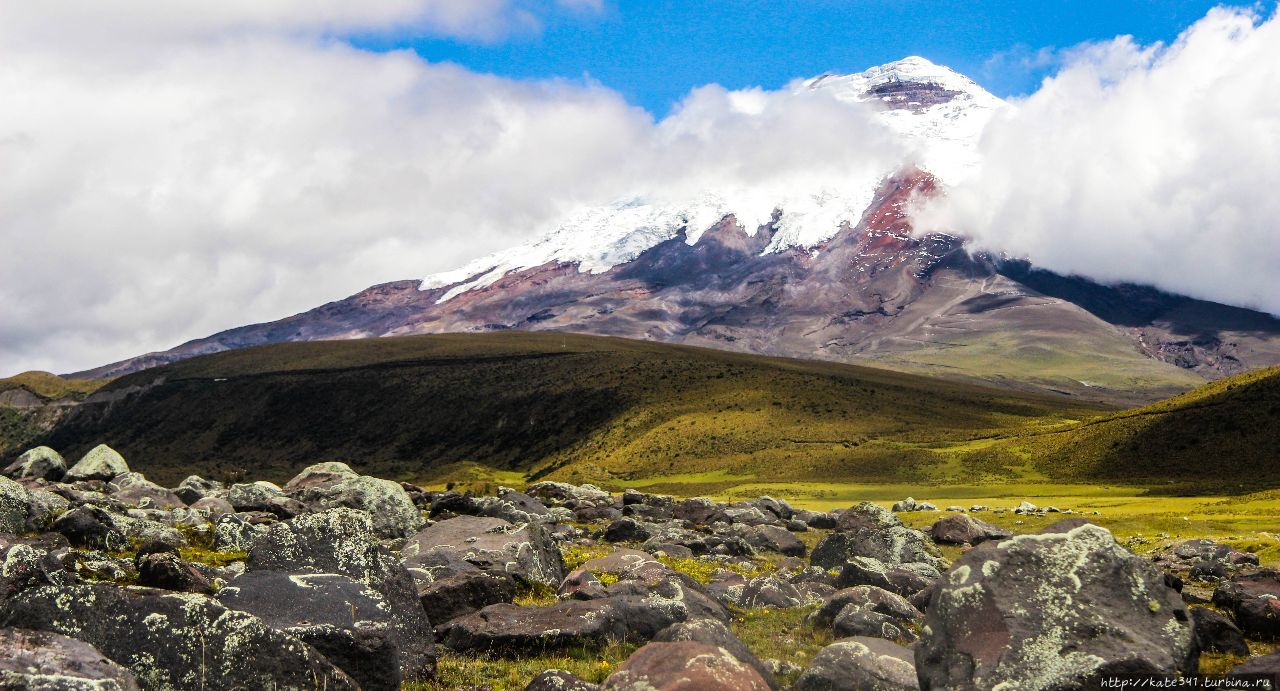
x,y
343,541
41,660
525,551
514,507
1052,611
772,538
344,619
15,506
173,641
101,463
194,488
869,530
232,533
860,664
559,680
770,591
41,462
684,666
507,629
903,579
713,632
332,485
90,526
134,489
264,496
963,529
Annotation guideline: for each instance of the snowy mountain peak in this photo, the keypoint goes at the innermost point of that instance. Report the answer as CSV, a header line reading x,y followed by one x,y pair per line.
x,y
938,114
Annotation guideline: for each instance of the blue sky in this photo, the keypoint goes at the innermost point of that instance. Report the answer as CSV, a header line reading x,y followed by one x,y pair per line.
x,y
654,51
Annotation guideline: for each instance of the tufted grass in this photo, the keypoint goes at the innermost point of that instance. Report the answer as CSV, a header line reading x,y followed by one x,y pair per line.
x,y
704,570
781,634
459,671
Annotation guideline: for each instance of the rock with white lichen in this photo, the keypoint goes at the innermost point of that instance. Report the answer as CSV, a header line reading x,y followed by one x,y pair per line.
x,y
343,541
684,665
41,462
101,463
860,664
43,660
174,641
331,485
1055,610
526,551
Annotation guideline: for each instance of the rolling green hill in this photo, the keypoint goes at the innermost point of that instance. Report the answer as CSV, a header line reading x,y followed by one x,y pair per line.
x,y
1224,435
547,405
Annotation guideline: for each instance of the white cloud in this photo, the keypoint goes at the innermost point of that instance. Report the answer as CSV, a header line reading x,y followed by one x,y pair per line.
x,y
161,192
1151,164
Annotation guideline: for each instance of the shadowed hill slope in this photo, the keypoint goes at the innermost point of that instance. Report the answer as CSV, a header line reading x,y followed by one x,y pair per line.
x,y
1225,435
546,404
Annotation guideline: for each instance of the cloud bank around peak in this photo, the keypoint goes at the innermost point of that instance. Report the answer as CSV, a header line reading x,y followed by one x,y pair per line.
x,y
1153,164
218,177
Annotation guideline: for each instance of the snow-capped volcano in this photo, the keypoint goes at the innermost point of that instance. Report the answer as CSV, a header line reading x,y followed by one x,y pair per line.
x,y
937,113
818,263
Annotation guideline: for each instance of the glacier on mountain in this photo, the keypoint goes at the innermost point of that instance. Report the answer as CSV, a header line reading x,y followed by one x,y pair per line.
x,y
938,114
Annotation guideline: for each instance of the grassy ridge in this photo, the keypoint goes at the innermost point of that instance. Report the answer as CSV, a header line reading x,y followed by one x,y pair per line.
x,y
50,386
1222,434
574,407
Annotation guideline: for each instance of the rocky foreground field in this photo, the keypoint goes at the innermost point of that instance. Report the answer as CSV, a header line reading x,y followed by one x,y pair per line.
x,y
338,580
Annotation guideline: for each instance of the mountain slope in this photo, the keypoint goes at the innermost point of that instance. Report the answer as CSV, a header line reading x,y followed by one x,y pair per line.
x,y
575,406
831,270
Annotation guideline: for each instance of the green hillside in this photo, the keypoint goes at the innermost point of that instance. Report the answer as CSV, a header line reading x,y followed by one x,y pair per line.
x,y
546,405
50,386
1224,435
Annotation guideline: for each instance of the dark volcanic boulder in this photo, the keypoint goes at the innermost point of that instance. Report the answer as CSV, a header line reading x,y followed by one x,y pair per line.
x,y
165,570
1216,633
627,530
41,462
178,641
1265,664
1254,598
860,664
684,665
770,591
43,660
963,529
772,538
1052,611
713,632
342,541
905,580
464,593
507,629
90,526
194,488
344,619
525,551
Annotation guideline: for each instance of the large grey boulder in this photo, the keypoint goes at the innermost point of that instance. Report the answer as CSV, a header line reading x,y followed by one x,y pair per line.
x,y
526,551
41,462
507,629
714,632
346,620
174,641
870,530
15,506
343,541
193,488
40,660
101,463
963,529
133,489
332,485
1052,611
860,664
